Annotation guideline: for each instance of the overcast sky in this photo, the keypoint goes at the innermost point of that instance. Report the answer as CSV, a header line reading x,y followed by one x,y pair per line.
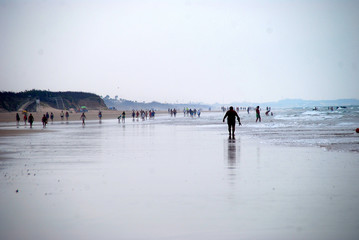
x,y
181,51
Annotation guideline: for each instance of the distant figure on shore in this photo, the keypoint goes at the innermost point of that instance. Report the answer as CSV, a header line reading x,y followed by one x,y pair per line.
x,y
231,121
47,115
62,115
133,115
143,115
83,117
31,120
119,118
52,117
258,114
25,117
100,116
67,116
44,121
123,116
17,119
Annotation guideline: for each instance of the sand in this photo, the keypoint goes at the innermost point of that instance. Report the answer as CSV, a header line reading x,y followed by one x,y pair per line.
x,y
158,180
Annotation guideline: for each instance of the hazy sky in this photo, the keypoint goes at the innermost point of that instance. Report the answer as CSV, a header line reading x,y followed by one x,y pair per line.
x,y
181,51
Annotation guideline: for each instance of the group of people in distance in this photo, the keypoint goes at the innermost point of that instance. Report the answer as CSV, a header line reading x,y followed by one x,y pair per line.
x,y
45,118
143,114
192,113
173,112
231,116
29,119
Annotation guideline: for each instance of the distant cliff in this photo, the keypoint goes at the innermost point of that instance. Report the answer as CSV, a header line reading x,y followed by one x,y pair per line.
x,y
28,100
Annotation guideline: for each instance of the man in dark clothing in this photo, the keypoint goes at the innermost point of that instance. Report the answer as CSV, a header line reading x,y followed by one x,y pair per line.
x,y
231,121
31,120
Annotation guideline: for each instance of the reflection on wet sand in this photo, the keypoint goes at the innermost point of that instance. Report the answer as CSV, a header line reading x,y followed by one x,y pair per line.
x,y
231,153
231,149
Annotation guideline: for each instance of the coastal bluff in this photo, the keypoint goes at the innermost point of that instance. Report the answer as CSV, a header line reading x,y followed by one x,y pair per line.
x,y
31,100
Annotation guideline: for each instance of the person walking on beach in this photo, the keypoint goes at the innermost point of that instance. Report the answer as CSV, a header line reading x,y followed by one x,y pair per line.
x,y
52,117
83,117
44,121
231,121
123,116
100,116
258,115
17,119
133,115
31,120
62,115
25,117
67,116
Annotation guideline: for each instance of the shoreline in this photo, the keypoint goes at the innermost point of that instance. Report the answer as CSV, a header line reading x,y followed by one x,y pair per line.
x,y
8,127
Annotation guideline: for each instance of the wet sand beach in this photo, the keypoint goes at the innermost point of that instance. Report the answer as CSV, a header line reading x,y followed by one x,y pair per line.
x,y
171,179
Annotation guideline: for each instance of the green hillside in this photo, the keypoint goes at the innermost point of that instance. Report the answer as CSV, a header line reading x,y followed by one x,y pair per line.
x,y
27,100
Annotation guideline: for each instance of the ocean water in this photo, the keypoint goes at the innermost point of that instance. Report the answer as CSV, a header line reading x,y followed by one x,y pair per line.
x,y
331,130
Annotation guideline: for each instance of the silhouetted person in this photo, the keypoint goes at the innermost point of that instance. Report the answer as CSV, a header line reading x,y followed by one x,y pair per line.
x,y
62,115
44,121
123,116
52,117
231,121
100,116
258,115
17,120
25,117
83,117
31,120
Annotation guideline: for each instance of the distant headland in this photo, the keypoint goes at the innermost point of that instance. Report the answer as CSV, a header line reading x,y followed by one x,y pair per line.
x,y
33,99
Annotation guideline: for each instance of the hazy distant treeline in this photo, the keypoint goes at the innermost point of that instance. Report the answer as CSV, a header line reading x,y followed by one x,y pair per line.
x,y
28,100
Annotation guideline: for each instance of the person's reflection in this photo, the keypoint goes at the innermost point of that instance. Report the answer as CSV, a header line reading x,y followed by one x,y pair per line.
x,y
232,154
